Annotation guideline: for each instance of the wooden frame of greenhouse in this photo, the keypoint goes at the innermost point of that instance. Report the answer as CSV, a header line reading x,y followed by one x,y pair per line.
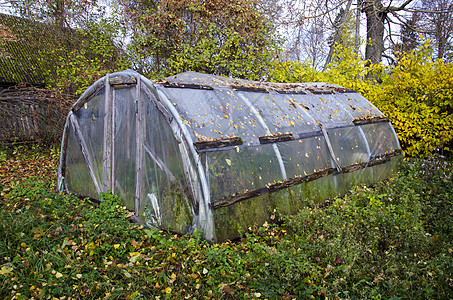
x,y
198,151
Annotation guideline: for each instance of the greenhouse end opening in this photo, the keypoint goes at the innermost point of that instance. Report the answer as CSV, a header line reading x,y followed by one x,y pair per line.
x,y
198,151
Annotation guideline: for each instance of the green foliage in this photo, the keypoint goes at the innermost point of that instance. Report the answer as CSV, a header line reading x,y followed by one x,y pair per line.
x,y
415,93
220,37
390,241
88,55
66,45
214,57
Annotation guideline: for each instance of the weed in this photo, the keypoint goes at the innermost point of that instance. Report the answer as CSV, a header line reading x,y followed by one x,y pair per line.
x,y
393,241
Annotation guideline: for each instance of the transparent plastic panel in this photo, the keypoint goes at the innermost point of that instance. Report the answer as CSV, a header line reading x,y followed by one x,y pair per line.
x,y
91,122
357,105
154,185
160,140
77,176
215,114
242,169
166,198
124,140
380,137
304,157
349,145
324,109
281,113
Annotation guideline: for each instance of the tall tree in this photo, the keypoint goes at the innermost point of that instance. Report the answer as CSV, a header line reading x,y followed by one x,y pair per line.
x,y
377,15
381,17
215,36
343,26
437,22
410,33
307,26
60,13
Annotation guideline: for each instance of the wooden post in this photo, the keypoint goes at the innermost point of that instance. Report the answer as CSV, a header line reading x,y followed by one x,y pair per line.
x,y
107,154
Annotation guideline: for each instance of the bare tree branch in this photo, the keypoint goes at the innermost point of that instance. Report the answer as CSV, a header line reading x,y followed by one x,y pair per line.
x,y
401,7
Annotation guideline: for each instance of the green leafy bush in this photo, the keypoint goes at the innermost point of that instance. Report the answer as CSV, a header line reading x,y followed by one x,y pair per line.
x,y
87,55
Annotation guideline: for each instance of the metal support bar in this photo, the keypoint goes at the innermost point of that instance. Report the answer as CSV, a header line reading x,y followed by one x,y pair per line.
x,y
329,146
263,124
206,220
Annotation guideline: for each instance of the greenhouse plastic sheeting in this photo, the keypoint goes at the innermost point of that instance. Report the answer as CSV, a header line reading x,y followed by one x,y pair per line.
x,y
198,151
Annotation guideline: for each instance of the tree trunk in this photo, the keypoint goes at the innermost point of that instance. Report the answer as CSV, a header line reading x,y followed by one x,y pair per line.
x,y
375,16
337,35
357,27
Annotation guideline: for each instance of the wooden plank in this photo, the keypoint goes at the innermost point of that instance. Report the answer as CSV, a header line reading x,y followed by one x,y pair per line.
x,y
159,162
298,180
342,90
130,117
107,147
290,92
316,92
235,198
329,146
186,86
158,104
64,150
139,139
252,89
122,80
370,120
112,136
218,143
268,139
284,184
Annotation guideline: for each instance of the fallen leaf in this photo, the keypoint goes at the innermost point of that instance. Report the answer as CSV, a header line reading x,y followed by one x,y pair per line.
x,y
5,270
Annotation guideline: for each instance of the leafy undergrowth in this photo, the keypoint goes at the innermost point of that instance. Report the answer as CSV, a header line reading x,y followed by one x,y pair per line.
x,y
390,241
25,162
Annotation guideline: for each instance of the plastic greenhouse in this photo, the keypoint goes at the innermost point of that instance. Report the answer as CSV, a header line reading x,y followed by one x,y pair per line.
x,y
220,154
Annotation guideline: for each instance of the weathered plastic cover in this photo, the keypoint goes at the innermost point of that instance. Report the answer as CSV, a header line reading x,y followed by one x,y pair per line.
x,y
215,153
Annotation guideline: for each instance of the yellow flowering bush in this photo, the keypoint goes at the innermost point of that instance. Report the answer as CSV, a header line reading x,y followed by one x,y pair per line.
x,y
416,93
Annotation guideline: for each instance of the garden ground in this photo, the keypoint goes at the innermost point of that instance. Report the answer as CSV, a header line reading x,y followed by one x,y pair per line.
x,y
390,241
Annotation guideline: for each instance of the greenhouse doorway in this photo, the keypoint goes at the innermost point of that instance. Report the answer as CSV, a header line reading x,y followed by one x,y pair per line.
x,y
124,144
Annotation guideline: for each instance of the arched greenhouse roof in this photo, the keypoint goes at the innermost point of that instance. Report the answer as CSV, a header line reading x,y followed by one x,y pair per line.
x,y
220,108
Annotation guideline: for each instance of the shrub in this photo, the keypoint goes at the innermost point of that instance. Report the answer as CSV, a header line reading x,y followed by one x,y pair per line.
x,y
416,93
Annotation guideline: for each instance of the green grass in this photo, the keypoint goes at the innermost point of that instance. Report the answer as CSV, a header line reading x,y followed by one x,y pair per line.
x,y
390,241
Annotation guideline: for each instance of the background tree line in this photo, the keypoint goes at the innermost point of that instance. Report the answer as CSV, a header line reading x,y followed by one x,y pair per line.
x,y
78,41
234,38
